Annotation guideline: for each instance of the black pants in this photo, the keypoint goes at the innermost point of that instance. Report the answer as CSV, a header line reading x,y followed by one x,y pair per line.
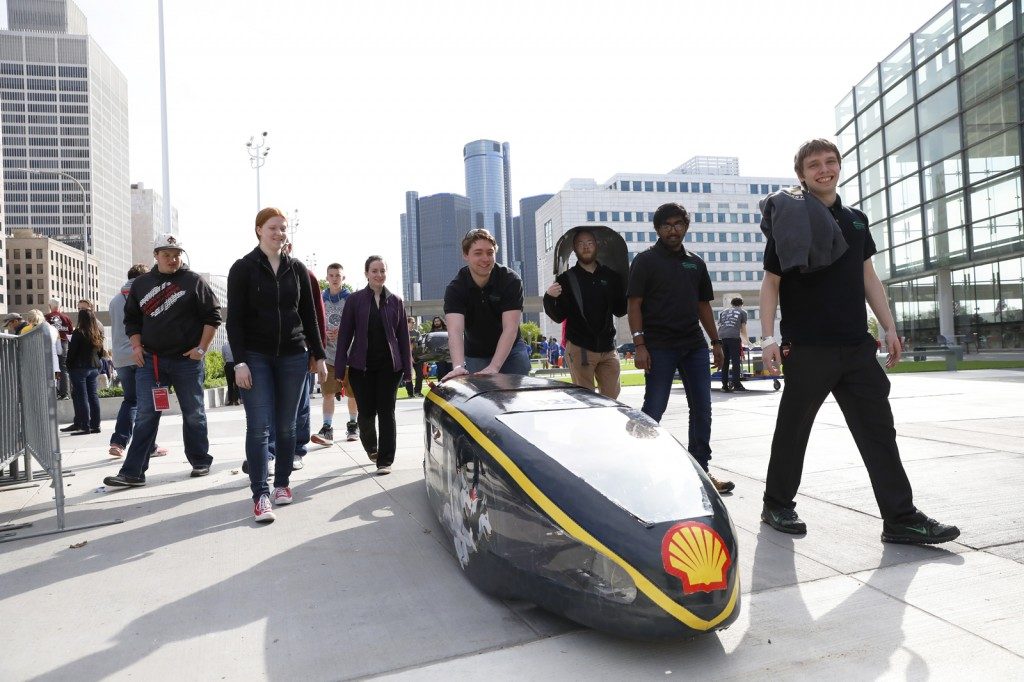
x,y
229,374
861,388
417,370
732,356
375,398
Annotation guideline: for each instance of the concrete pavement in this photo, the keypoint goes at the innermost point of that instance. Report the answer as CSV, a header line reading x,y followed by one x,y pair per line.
x,y
356,580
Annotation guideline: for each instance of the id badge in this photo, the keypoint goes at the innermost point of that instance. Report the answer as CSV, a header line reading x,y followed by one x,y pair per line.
x,y
161,399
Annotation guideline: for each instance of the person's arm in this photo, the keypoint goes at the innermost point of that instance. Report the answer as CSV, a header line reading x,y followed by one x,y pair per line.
x,y
510,320
874,291
345,333
770,354
618,296
553,302
707,319
456,323
404,342
642,360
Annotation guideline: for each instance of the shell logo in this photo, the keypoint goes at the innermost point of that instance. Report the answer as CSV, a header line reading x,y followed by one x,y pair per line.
x,y
697,555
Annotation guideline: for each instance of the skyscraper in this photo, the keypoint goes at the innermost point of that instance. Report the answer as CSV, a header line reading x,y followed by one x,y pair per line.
x,y
64,107
444,220
488,179
528,229
148,222
411,248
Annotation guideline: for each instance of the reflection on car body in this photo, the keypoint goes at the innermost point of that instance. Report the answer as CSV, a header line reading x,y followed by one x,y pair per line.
x,y
580,504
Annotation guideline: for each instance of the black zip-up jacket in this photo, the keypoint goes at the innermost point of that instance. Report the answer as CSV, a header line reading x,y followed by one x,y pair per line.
x,y
268,314
170,311
81,353
603,296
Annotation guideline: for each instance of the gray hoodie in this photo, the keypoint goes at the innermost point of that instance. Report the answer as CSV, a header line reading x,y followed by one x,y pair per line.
x,y
121,346
807,235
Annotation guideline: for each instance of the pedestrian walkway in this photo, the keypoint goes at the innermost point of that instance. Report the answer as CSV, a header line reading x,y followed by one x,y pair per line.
x,y
355,579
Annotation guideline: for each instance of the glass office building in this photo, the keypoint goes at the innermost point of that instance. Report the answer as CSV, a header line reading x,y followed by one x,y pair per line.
x,y
931,143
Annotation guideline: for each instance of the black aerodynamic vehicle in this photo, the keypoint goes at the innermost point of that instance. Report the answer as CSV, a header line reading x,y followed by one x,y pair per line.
x,y
582,505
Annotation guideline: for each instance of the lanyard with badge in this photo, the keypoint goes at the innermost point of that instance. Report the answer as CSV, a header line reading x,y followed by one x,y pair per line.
x,y
161,397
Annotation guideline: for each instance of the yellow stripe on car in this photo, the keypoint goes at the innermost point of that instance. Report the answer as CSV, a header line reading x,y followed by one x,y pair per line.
x,y
668,604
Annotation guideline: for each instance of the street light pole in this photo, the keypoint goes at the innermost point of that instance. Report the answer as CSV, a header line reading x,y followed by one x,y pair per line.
x,y
85,217
257,157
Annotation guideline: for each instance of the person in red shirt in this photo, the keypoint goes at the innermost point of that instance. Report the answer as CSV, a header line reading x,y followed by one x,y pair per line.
x,y
62,323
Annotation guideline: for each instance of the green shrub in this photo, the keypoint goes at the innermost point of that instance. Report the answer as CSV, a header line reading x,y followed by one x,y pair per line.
x,y
112,392
214,365
215,382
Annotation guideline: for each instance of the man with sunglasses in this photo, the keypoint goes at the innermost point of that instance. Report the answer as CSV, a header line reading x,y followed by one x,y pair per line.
x,y
669,299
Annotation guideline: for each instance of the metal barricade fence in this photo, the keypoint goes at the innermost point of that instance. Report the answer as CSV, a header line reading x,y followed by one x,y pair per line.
x,y
28,417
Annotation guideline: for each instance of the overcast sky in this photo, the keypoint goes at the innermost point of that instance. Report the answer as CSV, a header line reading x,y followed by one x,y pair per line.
x,y
366,100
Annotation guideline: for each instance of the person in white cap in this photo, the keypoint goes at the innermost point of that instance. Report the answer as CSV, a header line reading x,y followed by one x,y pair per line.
x,y
170,318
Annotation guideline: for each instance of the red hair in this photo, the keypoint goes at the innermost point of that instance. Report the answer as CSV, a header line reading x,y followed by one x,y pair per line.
x,y
266,214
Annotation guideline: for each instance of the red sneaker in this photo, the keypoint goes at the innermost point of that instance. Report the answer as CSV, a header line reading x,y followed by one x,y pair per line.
x,y
262,511
282,496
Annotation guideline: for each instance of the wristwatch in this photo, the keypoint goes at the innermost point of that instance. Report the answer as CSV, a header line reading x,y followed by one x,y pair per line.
x,y
768,341
200,351
636,334
716,342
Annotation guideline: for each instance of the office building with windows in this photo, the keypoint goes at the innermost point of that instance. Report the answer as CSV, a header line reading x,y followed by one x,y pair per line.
x,y
931,144
488,186
437,224
39,268
148,222
3,272
724,227
64,110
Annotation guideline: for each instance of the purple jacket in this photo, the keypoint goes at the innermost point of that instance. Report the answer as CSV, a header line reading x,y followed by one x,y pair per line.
x,y
352,336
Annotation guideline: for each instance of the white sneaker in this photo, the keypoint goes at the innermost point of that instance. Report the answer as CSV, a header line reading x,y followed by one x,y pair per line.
x,y
262,511
282,496
297,463
383,470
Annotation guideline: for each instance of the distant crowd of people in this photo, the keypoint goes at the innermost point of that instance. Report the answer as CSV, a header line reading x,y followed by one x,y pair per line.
x,y
284,333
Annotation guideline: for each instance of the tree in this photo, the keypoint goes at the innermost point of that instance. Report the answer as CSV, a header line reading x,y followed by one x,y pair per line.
x,y
530,332
344,287
873,327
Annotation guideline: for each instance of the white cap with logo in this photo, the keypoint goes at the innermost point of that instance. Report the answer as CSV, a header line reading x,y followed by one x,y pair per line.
x,y
167,241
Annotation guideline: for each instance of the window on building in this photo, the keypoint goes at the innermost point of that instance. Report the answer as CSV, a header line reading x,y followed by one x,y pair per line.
x,y
648,185
624,186
672,186
684,187
660,186
602,216
628,216
628,236
636,185
548,236
590,217
706,188
615,216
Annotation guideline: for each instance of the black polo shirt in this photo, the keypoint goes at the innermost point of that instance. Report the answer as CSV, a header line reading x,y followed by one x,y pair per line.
x,y
671,284
483,307
826,307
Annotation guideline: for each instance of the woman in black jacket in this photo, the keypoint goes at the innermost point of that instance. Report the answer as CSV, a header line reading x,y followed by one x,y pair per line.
x,y
85,350
275,340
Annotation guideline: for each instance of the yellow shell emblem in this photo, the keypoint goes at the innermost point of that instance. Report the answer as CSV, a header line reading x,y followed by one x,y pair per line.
x,y
697,555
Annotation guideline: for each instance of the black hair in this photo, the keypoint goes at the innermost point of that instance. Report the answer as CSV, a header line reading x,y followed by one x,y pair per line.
x,y
666,212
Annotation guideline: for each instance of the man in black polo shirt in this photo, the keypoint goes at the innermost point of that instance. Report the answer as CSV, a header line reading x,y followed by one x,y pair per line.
x,y
669,297
484,302
827,349
588,294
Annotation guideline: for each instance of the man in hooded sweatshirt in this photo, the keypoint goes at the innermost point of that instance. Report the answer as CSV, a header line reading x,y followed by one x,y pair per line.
x,y
170,318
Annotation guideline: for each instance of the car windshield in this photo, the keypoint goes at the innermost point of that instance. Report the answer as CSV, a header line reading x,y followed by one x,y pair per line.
x,y
629,459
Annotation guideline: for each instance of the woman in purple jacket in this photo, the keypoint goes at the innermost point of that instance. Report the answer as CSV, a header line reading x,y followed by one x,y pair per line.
x,y
373,342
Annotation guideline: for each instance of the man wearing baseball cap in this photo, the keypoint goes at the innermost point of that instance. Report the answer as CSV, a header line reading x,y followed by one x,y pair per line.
x,y
62,323
170,318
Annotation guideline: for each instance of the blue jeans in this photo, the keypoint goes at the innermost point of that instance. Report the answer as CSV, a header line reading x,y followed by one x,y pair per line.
x,y
278,382
517,362
126,414
695,370
301,424
186,377
86,398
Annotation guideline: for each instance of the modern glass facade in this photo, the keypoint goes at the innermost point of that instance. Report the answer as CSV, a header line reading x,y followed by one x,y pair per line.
x,y
486,171
443,221
931,144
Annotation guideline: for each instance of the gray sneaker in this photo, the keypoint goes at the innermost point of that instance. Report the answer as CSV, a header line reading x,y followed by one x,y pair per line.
x,y
352,432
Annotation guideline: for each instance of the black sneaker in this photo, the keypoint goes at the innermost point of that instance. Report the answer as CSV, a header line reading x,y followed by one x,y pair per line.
x,y
919,530
738,386
200,471
324,437
372,456
351,432
122,481
726,388
783,520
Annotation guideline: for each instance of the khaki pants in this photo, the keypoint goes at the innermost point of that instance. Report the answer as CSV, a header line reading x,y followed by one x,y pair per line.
x,y
604,367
